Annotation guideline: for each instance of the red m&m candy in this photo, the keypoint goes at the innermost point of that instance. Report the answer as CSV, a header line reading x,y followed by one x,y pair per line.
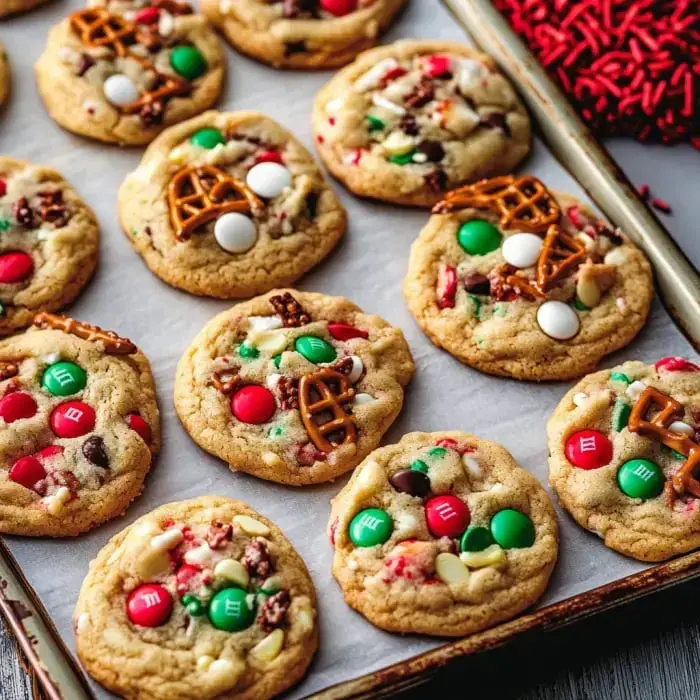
x,y
269,157
72,419
676,364
150,605
588,449
253,404
437,66
3,188
139,425
339,8
447,516
149,15
344,331
15,267
49,452
17,405
27,471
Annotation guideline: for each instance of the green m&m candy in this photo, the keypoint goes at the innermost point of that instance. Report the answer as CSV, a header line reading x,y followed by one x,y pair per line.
x,y
248,352
476,539
276,360
64,379
188,62
640,478
418,465
315,349
478,237
229,610
193,605
512,529
374,123
207,138
371,527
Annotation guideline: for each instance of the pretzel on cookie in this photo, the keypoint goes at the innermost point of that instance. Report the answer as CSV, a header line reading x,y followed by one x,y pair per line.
x,y
113,344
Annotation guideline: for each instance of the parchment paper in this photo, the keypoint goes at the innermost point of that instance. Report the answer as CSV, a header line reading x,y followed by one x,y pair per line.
x,y
368,267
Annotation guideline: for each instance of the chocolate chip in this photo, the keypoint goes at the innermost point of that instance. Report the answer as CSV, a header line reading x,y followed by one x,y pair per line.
x,y
411,481
409,125
95,451
495,120
151,113
312,204
433,150
477,283
292,47
294,9
613,237
85,62
436,180
23,212
421,94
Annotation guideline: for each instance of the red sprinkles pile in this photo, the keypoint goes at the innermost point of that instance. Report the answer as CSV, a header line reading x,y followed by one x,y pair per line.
x,y
631,67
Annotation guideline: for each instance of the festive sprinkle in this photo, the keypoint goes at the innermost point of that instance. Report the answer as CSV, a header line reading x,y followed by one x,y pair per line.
x,y
661,205
631,67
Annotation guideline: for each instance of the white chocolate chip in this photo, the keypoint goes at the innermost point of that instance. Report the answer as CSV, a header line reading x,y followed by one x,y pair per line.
x,y
56,502
398,143
336,105
204,662
388,105
272,380
166,24
471,464
469,72
264,323
272,342
635,389
203,556
168,540
232,570
362,399
373,77
51,358
450,568
82,623
357,369
420,158
304,620
679,426
491,556
617,256
580,398
268,649
251,526
272,459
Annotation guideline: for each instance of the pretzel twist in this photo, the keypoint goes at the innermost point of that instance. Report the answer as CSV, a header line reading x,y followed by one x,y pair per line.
x,y
199,193
8,370
683,480
99,28
560,255
523,203
329,401
113,344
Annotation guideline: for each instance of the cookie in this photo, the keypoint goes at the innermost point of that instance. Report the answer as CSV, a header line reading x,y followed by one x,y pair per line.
x,y
10,7
49,242
121,71
408,121
442,534
302,33
624,450
519,281
5,77
203,598
80,426
229,205
293,387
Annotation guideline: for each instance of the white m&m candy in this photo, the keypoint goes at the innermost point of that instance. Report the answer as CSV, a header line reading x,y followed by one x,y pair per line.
x,y
268,179
522,249
558,320
235,232
120,90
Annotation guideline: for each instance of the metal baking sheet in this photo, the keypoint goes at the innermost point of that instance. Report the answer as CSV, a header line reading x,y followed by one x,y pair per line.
x,y
368,267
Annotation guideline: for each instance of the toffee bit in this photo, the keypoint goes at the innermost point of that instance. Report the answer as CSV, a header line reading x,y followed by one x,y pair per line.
x,y
288,391
151,113
226,381
273,611
218,534
291,311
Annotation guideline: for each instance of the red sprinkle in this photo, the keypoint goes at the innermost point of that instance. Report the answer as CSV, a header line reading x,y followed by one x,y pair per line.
x,y
661,205
631,67
644,192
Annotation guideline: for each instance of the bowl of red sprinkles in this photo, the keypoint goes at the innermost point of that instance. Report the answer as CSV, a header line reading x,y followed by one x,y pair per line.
x,y
630,67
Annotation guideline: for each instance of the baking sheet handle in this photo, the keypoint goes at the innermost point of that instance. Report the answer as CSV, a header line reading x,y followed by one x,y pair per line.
x,y
589,163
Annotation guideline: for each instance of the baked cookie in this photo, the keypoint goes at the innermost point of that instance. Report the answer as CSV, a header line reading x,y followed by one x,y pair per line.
x,y
49,243
442,534
294,387
229,205
518,281
5,78
121,71
10,7
624,450
302,33
198,599
405,122
80,426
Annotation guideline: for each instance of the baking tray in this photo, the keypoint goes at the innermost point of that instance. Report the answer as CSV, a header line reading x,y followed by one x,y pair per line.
x,y
355,659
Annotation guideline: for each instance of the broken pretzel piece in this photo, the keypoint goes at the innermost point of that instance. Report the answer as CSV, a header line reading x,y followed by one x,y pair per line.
x,y
113,344
291,311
